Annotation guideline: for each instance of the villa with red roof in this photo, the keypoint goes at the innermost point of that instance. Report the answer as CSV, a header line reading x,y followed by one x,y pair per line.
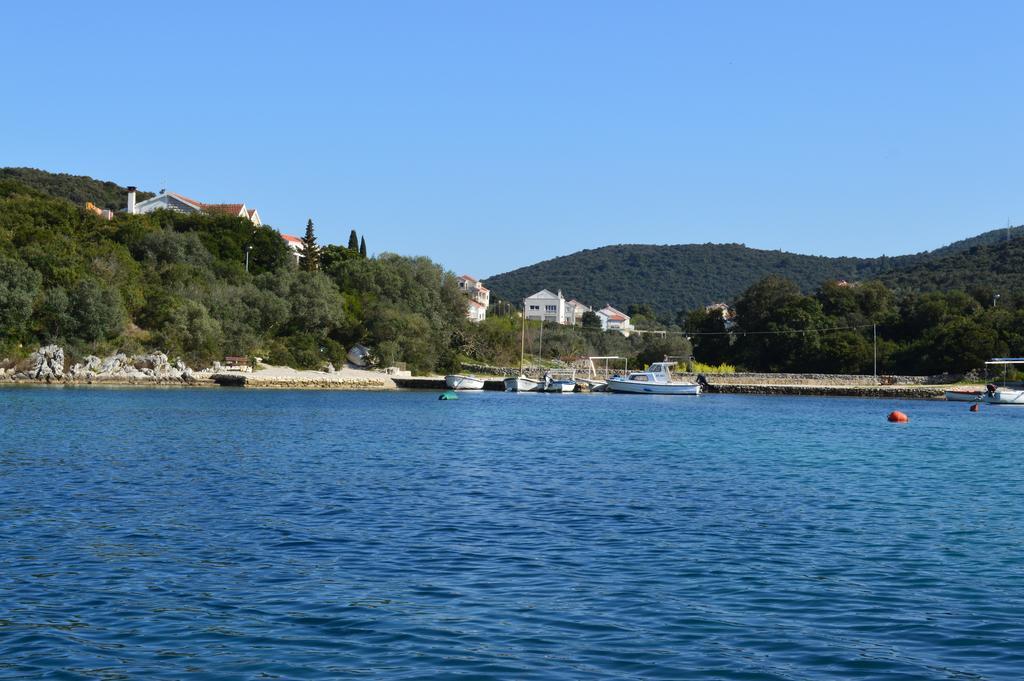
x,y
614,320
166,200
294,245
479,297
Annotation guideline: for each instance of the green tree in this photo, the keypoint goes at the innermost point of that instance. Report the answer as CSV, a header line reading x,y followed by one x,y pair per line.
x,y
310,252
362,247
19,287
353,241
97,310
590,320
656,347
711,340
192,333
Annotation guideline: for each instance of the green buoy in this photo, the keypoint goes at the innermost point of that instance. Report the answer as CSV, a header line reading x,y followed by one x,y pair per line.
x,y
448,395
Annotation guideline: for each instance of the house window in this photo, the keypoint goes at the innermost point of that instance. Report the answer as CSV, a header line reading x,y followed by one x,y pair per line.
x,y
535,307
551,308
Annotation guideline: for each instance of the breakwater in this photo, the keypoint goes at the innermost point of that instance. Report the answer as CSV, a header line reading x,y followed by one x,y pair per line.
x,y
339,380
910,392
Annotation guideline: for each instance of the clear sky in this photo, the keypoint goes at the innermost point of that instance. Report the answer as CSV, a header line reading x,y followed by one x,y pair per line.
x,y
493,135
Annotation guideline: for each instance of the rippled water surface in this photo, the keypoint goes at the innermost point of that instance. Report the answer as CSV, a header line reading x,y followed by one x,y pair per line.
x,y
231,534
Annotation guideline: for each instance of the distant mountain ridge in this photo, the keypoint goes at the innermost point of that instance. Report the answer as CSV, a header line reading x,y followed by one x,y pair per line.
x,y
672,278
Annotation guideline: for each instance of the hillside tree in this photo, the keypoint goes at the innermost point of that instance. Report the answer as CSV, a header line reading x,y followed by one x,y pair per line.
x,y
310,251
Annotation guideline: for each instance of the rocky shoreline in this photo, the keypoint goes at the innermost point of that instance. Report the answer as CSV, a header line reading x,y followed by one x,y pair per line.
x,y
48,365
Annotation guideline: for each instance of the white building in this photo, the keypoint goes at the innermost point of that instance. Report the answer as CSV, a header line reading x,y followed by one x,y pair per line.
x,y
294,245
166,200
479,298
614,320
547,306
574,310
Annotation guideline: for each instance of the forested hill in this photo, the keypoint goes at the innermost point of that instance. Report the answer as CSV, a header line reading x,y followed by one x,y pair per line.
x,y
990,268
78,189
683,277
675,278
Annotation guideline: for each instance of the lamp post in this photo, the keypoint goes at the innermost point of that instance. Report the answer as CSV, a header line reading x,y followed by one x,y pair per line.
x,y
247,250
995,297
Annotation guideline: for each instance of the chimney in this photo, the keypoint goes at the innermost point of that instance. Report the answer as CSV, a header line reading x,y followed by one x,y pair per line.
x,y
131,200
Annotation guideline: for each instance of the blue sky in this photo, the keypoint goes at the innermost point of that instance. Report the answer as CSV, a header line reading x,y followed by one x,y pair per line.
x,y
490,136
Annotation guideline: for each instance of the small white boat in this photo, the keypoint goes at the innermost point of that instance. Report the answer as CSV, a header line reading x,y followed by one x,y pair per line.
x,y
964,395
522,384
657,380
560,382
593,383
1004,396
463,382
994,395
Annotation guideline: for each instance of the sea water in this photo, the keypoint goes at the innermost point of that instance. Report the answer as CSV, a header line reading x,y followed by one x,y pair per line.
x,y
244,534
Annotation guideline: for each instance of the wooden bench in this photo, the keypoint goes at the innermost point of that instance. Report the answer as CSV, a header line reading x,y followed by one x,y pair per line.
x,y
236,362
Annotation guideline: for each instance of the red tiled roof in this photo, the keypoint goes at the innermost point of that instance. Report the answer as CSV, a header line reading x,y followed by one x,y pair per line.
x,y
252,212
467,277
613,315
291,238
225,208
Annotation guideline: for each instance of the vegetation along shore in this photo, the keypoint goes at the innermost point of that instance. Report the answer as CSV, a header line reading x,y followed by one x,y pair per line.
x,y
79,272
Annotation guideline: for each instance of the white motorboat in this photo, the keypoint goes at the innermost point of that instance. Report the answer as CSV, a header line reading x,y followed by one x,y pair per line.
x,y
463,382
560,382
1003,396
657,380
522,384
994,395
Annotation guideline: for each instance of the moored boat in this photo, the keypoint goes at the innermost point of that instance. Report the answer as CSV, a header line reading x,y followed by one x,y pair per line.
x,y
964,395
522,384
560,382
463,382
1003,396
657,380
592,380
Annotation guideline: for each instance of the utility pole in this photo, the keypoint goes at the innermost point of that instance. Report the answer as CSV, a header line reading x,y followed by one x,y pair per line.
x,y
874,342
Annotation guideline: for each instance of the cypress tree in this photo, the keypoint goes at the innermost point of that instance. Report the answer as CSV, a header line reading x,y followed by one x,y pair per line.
x,y
310,251
353,241
362,246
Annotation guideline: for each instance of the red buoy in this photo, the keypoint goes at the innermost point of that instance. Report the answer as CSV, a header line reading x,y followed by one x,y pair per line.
x,y
898,417
974,407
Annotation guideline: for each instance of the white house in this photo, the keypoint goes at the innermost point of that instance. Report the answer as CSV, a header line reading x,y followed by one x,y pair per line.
x,y
166,200
574,310
294,245
547,306
479,297
614,320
